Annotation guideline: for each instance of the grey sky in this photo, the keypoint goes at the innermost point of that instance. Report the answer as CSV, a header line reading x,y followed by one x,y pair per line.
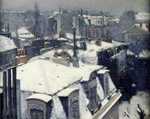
x,y
108,5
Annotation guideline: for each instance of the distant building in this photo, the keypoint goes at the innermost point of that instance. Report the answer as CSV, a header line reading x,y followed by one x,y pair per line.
x,y
8,82
28,45
137,39
96,26
138,56
23,37
99,20
143,20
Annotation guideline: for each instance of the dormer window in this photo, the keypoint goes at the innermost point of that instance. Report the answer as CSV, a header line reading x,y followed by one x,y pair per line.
x,y
90,89
70,101
36,114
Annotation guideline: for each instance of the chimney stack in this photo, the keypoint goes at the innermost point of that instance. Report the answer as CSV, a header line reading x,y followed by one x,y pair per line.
x,y
59,21
75,57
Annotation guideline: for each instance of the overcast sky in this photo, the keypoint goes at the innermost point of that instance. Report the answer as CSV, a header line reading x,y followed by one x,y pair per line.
x,y
108,5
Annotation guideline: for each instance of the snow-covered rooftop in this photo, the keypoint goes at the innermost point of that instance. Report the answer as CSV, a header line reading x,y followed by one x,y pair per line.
x,y
70,36
24,33
104,45
44,76
67,91
144,54
103,71
143,16
6,44
43,97
90,55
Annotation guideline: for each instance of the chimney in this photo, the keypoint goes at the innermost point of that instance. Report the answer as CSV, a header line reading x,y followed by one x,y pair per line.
x,y
80,30
98,42
75,57
81,12
59,21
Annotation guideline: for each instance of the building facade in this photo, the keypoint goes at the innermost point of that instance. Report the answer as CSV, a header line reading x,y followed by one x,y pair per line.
x,y
8,95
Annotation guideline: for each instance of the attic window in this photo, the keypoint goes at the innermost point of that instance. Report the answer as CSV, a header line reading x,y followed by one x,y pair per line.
x,y
36,114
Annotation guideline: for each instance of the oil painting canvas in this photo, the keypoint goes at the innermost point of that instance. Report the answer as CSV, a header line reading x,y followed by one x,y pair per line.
x,y
74,59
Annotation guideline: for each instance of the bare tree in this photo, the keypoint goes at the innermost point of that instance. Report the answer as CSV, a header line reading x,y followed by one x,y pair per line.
x,y
140,112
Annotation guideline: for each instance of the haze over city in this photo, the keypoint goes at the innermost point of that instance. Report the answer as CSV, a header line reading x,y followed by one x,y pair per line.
x,y
106,5
74,59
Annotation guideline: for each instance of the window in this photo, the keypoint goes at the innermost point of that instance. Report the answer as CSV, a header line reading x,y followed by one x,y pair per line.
x,y
104,83
93,98
36,114
74,109
90,89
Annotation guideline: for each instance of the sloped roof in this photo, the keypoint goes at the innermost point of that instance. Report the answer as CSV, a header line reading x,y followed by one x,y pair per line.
x,y
46,77
6,44
42,97
24,33
90,55
67,91
143,17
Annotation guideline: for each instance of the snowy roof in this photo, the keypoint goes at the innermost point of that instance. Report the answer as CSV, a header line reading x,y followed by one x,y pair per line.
x,y
23,32
144,54
62,39
90,55
67,91
103,71
6,44
116,43
70,36
129,52
43,97
104,45
46,77
142,16
86,70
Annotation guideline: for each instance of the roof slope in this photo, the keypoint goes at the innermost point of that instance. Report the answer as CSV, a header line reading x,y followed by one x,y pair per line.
x,y
46,77
43,76
6,44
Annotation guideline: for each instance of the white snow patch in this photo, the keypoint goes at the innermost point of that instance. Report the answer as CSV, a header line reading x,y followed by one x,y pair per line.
x,y
144,54
100,90
111,85
6,44
58,111
24,33
44,76
43,97
83,102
